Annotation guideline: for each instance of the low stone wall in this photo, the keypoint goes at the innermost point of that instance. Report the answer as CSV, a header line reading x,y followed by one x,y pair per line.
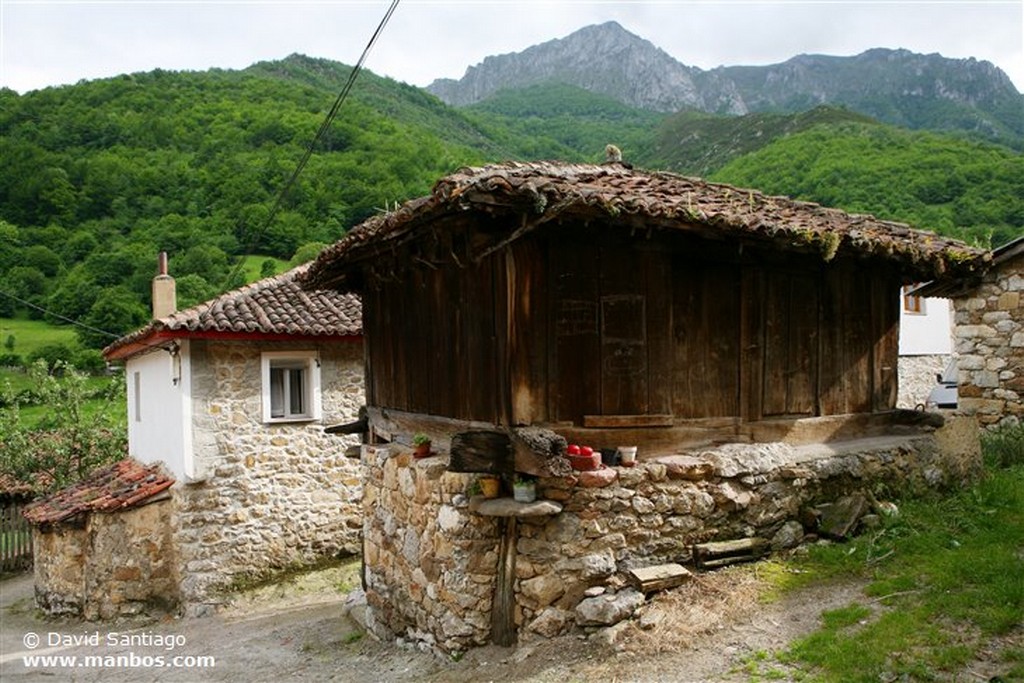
x,y
110,565
274,496
989,337
431,563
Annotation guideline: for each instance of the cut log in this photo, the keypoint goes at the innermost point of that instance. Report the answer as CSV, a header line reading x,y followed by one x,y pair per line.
x,y
528,450
721,553
659,577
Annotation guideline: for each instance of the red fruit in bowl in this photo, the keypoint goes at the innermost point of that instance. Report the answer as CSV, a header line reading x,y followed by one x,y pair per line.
x,y
586,450
573,449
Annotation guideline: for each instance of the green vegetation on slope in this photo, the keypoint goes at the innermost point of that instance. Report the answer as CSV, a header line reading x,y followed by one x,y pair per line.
x,y
102,175
969,190
946,576
557,121
698,144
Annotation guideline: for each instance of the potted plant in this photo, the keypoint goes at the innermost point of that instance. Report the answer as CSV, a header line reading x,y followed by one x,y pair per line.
x,y
421,445
490,485
524,488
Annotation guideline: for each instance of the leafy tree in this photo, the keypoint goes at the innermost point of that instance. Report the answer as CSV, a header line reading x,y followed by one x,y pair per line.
x,y
306,253
193,289
70,442
268,268
115,313
52,356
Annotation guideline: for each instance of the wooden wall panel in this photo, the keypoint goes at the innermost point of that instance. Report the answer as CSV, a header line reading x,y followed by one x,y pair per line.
x,y
623,329
705,340
526,266
657,271
790,344
886,334
846,339
575,326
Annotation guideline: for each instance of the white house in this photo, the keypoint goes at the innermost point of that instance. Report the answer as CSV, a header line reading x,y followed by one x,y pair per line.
x,y
926,345
233,397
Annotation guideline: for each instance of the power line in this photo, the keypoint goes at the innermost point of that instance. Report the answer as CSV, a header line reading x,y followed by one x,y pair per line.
x,y
321,131
76,323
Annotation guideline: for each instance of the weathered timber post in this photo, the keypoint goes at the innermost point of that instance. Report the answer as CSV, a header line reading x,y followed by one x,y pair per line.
x,y
503,626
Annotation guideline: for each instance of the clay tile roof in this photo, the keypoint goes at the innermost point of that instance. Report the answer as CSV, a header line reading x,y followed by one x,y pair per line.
x,y
544,192
120,486
274,305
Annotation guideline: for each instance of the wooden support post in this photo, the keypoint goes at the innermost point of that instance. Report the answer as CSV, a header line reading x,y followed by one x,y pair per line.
x,y
503,624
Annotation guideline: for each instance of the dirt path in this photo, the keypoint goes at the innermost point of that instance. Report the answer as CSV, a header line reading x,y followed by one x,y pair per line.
x,y
707,631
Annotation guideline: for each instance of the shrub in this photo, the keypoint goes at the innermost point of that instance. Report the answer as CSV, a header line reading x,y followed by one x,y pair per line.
x,y
1004,447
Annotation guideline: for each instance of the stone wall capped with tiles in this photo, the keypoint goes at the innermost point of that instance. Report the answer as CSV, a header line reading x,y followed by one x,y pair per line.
x,y
431,563
989,337
108,564
274,496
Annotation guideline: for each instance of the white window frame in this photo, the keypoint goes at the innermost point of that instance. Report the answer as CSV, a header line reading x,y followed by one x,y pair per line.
x,y
306,360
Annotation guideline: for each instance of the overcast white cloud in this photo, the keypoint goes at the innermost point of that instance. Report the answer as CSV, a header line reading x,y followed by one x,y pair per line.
x,y
53,42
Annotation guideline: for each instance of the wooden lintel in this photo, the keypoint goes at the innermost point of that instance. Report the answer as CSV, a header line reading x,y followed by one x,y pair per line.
x,y
622,421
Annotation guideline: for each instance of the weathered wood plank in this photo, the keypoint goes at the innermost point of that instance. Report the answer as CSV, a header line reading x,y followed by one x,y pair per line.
x,y
575,322
706,321
659,577
720,553
503,626
615,421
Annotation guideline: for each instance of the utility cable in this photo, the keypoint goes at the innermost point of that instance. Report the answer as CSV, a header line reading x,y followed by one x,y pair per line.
x,y
321,131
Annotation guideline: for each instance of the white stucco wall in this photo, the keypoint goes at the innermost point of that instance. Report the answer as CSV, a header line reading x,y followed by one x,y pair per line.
x,y
159,409
929,333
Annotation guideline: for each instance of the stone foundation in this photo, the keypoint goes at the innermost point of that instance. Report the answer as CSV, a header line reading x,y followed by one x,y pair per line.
x,y
431,563
108,565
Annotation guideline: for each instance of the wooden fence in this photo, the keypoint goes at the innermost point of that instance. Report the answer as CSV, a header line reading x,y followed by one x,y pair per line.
x,y
15,538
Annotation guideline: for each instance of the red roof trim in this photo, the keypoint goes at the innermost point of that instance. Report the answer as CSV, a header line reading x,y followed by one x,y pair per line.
x,y
157,338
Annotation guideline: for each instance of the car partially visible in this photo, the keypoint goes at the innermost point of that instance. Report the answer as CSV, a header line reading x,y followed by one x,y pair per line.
x,y
943,395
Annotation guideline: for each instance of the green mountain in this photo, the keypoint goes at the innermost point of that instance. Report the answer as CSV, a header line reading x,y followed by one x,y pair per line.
x,y
957,187
102,175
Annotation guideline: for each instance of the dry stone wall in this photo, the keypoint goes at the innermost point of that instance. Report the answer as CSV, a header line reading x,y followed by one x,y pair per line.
x,y
989,337
274,496
917,378
109,565
431,563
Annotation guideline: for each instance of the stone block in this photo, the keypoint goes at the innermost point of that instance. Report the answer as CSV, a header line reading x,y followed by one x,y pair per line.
x,y
1009,301
687,467
598,478
606,610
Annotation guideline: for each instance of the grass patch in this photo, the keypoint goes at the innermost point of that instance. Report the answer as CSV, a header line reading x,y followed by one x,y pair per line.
x,y
30,335
252,266
947,575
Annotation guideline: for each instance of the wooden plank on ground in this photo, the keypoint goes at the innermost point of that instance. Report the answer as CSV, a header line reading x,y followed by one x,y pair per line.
x,y
658,577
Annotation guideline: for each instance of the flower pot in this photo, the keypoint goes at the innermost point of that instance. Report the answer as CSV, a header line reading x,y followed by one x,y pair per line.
x,y
627,454
525,492
490,487
585,463
422,450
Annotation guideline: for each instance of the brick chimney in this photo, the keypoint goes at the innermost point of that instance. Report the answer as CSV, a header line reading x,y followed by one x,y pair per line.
x,y
165,299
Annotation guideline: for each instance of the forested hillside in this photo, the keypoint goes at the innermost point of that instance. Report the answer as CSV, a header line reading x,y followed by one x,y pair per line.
x,y
100,176
965,189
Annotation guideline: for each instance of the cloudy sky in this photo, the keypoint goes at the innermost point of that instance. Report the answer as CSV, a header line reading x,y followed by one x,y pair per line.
x,y
54,42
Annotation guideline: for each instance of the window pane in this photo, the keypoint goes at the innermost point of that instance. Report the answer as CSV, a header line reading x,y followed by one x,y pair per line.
x,y
277,379
297,392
